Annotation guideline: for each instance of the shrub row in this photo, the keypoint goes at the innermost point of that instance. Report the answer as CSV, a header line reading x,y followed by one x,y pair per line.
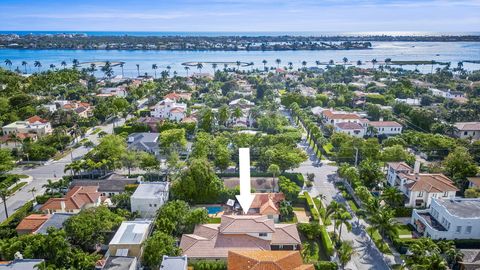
x,y
209,265
326,241
311,207
297,178
403,211
325,265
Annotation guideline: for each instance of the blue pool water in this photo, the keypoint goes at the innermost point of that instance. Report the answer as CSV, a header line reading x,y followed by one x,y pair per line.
x,y
212,210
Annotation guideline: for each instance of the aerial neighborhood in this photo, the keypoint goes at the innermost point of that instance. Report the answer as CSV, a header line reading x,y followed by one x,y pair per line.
x,y
348,167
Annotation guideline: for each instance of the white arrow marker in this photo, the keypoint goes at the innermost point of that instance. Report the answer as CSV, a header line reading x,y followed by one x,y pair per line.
x,y
245,198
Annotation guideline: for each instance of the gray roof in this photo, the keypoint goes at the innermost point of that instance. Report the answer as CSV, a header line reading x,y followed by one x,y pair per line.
x,y
119,263
56,221
110,184
24,264
460,207
144,141
131,232
174,263
152,190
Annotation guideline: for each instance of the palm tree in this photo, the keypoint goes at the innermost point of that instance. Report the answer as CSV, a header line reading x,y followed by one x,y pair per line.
x,y
359,63
155,67
374,61
169,68
278,61
450,253
63,64
331,62
93,68
33,190
341,218
345,253
238,63
392,196
264,64
290,65
345,61
214,66
225,66
37,64
52,66
138,70
274,170
50,186
237,113
332,209
8,63
317,63
304,64
187,68
24,64
107,69
75,63
4,193
384,221
199,67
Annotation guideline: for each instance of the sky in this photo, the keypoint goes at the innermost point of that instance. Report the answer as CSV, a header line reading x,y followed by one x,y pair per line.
x,y
241,15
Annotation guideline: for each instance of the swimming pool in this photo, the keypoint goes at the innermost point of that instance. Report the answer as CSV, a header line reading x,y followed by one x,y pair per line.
x,y
212,210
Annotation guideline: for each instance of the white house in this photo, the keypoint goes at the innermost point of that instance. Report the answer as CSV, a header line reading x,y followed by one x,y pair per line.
x,y
450,219
351,128
169,109
149,197
387,128
33,124
113,92
129,238
419,188
447,94
467,130
334,117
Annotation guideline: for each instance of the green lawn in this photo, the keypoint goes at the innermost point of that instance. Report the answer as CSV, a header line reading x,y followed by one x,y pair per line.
x,y
353,206
381,245
214,220
328,148
404,230
17,187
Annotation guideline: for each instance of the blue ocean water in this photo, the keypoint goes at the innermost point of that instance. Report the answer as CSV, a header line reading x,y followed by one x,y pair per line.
x,y
440,51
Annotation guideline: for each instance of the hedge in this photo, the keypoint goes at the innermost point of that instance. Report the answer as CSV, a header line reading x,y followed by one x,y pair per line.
x,y
326,241
297,178
403,211
7,227
209,265
311,207
325,265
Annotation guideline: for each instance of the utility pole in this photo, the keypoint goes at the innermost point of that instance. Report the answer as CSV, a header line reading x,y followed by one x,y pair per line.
x,y
356,156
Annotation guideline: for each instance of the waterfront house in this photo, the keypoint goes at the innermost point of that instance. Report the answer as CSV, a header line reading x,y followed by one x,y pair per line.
x,y
456,218
238,232
419,188
129,238
266,259
149,197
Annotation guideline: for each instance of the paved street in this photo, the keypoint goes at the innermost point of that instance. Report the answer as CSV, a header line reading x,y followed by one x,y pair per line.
x,y
50,170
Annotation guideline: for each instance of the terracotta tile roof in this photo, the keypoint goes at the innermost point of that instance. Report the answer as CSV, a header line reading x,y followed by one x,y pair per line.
x,y
266,260
75,199
175,96
36,118
177,110
268,203
400,166
236,233
332,115
32,222
429,183
349,126
189,120
246,224
384,124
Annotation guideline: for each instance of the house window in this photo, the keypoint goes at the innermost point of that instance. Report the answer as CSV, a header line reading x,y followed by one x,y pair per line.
x,y
468,230
445,194
459,229
465,133
262,234
420,194
150,205
155,205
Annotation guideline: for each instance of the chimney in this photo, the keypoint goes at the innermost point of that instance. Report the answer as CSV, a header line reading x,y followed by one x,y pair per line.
x,y
62,205
416,168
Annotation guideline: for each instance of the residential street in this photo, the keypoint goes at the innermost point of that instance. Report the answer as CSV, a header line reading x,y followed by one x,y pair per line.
x,y
50,170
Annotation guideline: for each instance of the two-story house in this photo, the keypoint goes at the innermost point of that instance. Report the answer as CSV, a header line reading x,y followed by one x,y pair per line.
x,y
149,197
450,219
334,117
169,109
33,125
129,238
388,128
419,188
238,232
350,128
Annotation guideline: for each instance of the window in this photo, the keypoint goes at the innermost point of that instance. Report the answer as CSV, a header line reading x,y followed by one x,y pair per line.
x,y
150,205
445,194
155,205
262,234
465,133
468,230
420,194
459,229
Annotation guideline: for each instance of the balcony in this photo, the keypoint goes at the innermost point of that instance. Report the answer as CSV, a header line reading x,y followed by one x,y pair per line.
x,y
428,220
